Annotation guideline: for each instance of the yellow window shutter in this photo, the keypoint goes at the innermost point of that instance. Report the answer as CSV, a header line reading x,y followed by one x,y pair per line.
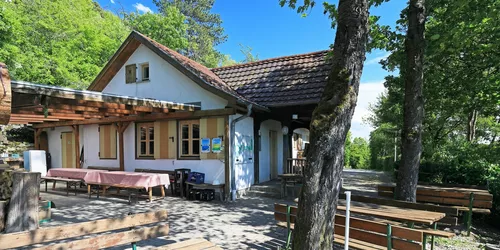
x,y
212,128
164,147
107,142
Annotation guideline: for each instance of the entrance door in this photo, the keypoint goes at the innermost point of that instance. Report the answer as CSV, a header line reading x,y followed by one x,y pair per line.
x,y
68,150
44,142
273,153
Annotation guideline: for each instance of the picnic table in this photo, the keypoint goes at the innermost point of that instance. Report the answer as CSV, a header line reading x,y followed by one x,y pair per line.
x,y
131,180
72,176
289,178
392,213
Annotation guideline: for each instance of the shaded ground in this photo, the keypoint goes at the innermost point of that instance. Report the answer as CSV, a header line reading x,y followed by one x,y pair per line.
x,y
247,223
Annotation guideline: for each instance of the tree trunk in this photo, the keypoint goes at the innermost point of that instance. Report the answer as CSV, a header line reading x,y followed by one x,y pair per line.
x,y
330,123
22,214
471,125
406,188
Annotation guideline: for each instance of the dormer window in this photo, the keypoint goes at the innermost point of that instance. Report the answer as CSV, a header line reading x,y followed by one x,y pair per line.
x,y
145,71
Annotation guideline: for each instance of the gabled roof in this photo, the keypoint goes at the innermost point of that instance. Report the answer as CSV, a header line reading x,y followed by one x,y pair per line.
x,y
275,82
283,81
195,71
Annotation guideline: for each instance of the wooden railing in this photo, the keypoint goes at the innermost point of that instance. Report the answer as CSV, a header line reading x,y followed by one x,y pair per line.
x,y
295,166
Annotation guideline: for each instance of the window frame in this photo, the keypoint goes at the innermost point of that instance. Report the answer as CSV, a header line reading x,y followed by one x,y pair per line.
x,y
147,140
143,66
190,139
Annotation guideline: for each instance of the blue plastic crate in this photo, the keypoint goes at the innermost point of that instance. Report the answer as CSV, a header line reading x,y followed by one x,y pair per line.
x,y
196,177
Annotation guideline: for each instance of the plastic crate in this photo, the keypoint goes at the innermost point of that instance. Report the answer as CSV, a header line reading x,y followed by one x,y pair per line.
x,y
196,177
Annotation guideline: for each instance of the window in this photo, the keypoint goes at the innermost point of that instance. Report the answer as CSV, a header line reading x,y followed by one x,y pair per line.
x,y
130,73
189,138
145,140
145,71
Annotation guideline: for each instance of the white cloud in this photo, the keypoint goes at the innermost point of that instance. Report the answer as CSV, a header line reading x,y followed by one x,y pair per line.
x,y
142,8
368,93
112,1
377,59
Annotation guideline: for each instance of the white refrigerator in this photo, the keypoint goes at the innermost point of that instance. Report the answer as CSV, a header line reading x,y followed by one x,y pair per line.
x,y
35,161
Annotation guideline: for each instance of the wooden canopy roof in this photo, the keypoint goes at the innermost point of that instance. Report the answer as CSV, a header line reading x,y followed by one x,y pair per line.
x,y
56,106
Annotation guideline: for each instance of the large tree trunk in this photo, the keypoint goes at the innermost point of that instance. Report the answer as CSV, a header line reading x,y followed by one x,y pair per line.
x,y
406,189
330,123
471,125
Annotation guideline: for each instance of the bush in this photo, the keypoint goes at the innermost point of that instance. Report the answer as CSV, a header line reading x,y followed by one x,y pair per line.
x,y
461,162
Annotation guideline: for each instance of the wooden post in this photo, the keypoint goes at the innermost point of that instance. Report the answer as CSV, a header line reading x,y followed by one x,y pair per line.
x,y
22,214
5,95
3,211
76,133
38,131
227,149
121,127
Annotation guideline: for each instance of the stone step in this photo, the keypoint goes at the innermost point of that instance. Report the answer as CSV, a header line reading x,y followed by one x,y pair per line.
x,y
256,193
262,188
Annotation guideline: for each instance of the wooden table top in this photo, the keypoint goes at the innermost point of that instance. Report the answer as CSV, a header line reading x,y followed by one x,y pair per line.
x,y
204,184
440,188
392,213
285,176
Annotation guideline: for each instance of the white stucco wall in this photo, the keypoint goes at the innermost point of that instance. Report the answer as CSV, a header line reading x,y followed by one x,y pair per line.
x,y
243,162
264,156
54,138
166,83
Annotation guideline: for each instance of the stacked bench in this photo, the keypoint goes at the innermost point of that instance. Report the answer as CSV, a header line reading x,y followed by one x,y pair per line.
x,y
69,183
124,230
467,200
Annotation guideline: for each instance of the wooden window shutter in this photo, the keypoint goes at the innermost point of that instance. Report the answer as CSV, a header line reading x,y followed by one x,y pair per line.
x,y
165,131
130,73
107,142
212,128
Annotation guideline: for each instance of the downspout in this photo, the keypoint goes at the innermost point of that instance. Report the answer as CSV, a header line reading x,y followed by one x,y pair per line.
x,y
233,150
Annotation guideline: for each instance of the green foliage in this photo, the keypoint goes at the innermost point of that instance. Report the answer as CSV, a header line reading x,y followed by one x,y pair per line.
x,y
168,29
360,154
204,29
63,43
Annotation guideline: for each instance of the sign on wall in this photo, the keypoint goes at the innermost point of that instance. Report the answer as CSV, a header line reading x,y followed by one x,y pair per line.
x,y
244,149
216,145
205,145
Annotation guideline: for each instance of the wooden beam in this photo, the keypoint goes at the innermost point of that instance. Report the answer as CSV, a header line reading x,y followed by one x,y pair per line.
x,y
46,234
122,126
49,117
76,133
153,117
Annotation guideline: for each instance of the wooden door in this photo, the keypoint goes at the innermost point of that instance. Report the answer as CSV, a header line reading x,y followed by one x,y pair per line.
x,y
273,153
44,142
68,150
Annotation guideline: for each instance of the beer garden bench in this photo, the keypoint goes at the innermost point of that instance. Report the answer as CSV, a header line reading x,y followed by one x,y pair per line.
x,y
467,200
69,182
135,225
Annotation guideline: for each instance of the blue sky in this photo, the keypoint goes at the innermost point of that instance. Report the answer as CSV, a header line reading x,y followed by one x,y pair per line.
x,y
272,31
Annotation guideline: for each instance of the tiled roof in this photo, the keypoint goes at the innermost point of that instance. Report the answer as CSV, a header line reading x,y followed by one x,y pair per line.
x,y
283,81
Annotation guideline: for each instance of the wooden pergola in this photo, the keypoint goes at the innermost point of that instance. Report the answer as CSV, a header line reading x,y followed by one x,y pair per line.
x,y
48,106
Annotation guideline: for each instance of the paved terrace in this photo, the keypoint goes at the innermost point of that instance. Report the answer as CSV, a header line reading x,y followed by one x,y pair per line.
x,y
247,223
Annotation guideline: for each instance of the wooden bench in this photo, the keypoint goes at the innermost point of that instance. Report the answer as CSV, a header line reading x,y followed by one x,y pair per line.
x,y
171,176
466,200
191,244
69,182
363,234
70,236
103,168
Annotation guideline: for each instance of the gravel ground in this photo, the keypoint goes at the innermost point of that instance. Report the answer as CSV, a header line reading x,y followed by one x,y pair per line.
x,y
247,223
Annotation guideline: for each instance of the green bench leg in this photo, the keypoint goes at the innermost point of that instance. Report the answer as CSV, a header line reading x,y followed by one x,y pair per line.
x,y
432,236
134,246
389,237
424,243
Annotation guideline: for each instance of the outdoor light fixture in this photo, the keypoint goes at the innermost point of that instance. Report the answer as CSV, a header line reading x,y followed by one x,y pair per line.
x,y
295,116
171,138
284,130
